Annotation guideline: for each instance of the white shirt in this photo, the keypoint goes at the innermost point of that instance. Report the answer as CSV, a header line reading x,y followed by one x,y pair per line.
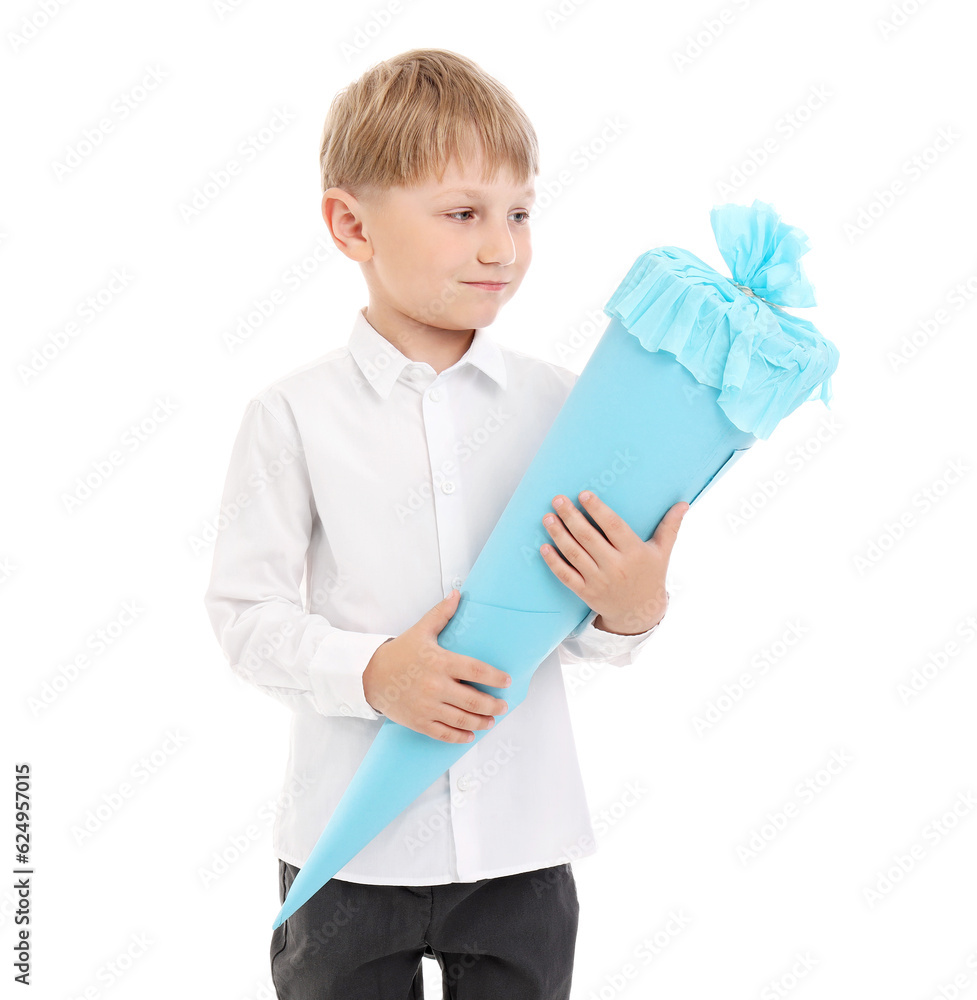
x,y
361,488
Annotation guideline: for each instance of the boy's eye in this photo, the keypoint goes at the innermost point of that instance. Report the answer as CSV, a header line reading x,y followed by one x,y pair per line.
x,y
469,211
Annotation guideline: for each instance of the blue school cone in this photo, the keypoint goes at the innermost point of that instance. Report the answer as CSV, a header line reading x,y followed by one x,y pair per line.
x,y
690,371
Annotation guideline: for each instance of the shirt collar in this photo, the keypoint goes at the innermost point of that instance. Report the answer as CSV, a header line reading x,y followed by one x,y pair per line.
x,y
382,363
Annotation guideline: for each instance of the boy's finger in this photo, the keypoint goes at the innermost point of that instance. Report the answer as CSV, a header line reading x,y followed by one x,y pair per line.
x,y
462,718
667,530
441,613
484,673
483,706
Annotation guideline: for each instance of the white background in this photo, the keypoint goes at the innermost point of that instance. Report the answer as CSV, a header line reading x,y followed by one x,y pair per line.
x,y
890,243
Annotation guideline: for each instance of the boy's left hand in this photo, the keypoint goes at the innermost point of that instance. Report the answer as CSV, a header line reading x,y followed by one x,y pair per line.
x,y
621,577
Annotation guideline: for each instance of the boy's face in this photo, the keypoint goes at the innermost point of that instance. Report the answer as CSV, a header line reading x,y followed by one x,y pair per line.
x,y
425,250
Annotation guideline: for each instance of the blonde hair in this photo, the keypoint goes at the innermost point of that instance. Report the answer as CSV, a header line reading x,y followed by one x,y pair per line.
x,y
404,118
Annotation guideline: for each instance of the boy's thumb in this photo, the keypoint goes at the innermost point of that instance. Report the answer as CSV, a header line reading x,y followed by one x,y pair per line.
x,y
442,611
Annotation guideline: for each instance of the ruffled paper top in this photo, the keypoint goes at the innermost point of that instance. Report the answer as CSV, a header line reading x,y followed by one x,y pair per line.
x,y
765,361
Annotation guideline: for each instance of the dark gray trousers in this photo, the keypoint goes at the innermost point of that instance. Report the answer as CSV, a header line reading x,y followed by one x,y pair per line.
x,y
506,938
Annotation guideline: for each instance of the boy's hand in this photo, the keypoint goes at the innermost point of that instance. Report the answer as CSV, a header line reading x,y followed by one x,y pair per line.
x,y
621,577
415,682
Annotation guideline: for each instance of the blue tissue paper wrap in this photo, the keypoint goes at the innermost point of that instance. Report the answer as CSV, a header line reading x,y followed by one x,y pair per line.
x,y
691,370
732,334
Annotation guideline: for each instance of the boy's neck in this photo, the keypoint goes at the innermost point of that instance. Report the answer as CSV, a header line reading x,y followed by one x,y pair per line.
x,y
417,341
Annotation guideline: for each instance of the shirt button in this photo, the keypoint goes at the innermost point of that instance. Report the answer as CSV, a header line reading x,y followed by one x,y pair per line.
x,y
447,487
463,783
414,373
434,394
344,709
457,582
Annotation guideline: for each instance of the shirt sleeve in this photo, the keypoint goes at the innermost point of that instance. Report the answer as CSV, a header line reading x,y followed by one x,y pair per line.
x,y
587,643
254,598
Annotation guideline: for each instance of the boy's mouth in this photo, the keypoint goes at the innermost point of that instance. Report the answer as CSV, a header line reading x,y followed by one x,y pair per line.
x,y
490,286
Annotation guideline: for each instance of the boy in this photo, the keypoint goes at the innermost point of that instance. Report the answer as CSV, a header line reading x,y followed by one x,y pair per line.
x,y
367,482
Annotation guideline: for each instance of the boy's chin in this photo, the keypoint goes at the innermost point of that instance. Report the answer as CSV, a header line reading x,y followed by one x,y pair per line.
x,y
468,319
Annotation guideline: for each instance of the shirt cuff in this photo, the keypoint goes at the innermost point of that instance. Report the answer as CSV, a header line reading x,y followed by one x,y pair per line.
x,y
612,642
336,673
587,642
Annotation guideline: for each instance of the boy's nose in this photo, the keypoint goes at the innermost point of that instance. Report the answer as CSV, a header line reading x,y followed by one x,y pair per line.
x,y
498,246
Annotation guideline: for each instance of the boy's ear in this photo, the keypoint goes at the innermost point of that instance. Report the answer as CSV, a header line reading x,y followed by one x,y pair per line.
x,y
343,215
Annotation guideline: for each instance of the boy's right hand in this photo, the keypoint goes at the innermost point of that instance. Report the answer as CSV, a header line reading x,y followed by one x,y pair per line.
x,y
415,682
